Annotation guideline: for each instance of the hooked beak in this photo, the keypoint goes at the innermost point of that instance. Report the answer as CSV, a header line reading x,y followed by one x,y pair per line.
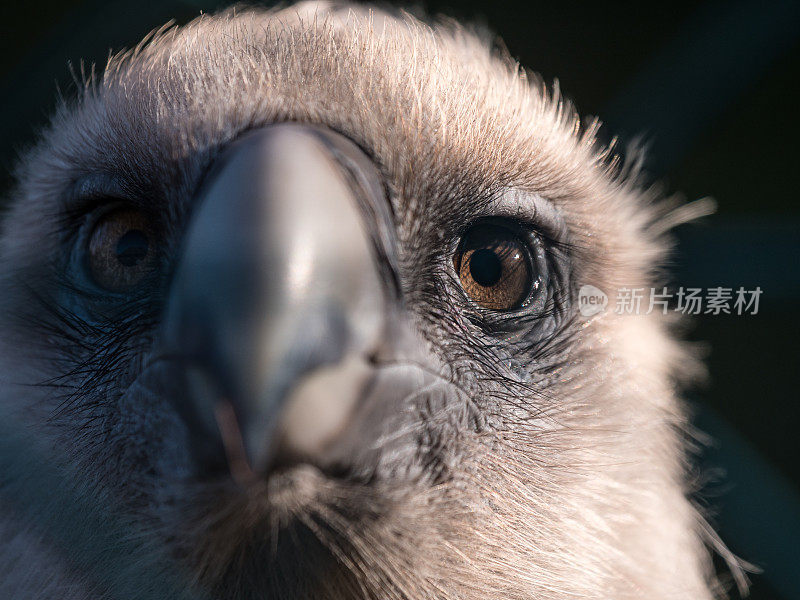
x,y
283,294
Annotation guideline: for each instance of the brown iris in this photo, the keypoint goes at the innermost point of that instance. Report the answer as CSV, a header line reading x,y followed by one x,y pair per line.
x,y
120,251
494,267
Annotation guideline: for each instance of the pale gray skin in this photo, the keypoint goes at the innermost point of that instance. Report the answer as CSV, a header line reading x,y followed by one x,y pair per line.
x,y
550,462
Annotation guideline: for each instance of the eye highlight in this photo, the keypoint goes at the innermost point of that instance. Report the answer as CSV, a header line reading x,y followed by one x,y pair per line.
x,y
494,267
120,251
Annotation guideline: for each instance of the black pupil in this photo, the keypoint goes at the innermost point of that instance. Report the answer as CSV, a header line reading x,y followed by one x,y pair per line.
x,y
485,267
132,248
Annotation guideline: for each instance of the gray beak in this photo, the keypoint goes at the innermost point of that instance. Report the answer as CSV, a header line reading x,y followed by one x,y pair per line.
x,y
282,296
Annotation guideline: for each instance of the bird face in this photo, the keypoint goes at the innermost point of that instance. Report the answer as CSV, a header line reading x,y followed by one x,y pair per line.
x,y
291,294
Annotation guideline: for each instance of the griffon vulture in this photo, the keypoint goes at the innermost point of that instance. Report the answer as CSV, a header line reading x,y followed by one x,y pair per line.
x,y
289,311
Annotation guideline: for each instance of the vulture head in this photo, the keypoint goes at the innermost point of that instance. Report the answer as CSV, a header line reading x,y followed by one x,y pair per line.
x,y
290,298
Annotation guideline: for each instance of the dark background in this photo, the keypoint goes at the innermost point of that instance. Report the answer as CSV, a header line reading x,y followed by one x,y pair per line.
x,y
711,87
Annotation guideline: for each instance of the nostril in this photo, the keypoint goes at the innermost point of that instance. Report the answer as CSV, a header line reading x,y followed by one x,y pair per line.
x,y
373,359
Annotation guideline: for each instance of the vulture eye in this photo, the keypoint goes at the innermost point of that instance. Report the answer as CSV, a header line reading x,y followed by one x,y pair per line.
x,y
120,250
494,267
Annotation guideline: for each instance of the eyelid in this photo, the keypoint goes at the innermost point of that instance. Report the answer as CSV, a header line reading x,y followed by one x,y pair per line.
x,y
96,185
533,212
90,191
94,195
82,219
